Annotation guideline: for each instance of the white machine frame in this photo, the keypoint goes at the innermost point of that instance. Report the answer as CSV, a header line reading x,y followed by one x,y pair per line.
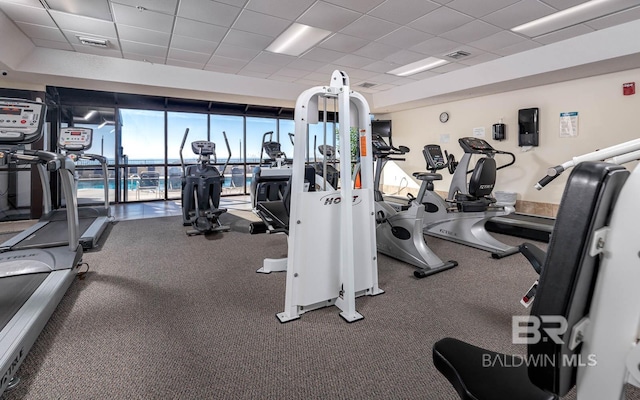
x,y
335,269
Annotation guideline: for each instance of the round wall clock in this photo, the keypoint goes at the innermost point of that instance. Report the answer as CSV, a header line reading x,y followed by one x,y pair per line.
x,y
444,117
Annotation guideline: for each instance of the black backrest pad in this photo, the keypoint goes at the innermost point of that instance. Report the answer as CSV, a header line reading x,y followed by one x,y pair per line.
x,y
569,273
483,177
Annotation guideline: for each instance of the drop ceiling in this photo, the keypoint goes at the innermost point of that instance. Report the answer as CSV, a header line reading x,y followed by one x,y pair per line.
x,y
369,37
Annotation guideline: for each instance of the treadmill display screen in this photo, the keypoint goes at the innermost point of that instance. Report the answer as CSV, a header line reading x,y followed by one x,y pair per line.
x,y
10,111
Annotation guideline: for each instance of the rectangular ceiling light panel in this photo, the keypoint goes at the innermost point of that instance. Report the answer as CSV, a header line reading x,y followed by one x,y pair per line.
x,y
418,66
297,39
571,16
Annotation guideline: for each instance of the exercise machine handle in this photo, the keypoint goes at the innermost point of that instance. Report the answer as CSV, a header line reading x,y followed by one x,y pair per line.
x,y
552,173
184,140
226,141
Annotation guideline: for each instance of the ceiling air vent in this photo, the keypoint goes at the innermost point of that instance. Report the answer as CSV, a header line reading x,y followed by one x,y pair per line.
x,y
367,85
458,54
93,41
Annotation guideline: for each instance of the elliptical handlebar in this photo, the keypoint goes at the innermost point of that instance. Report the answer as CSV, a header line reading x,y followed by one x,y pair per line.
x,y
226,141
184,140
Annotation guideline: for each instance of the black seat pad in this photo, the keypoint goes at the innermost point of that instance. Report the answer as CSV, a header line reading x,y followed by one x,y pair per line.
x,y
427,176
479,374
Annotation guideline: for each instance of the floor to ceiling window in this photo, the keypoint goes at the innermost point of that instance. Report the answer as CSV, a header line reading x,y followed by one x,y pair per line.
x,y
177,124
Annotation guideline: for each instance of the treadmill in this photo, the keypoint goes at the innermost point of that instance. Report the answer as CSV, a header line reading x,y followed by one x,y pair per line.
x,y
51,229
32,281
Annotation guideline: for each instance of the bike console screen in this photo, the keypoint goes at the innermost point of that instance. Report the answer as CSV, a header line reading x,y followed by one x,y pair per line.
x,y
475,145
433,155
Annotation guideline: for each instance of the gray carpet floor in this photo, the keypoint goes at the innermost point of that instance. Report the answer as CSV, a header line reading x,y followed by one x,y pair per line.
x,y
163,315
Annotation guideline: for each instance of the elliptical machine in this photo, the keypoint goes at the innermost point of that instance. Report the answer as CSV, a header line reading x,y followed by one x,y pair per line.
x,y
201,188
271,177
462,216
399,233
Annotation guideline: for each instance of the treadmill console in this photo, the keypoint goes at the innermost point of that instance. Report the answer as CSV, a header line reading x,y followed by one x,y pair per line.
x,y
475,145
75,139
20,120
379,145
433,155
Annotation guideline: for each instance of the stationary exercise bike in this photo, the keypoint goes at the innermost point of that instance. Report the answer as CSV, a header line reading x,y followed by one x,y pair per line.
x,y
201,188
462,216
399,233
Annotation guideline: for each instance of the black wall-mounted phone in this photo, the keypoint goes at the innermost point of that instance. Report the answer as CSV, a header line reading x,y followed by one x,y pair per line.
x,y
528,127
498,131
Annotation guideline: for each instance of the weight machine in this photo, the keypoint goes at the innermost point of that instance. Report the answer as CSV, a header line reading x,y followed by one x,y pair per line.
x,y
337,267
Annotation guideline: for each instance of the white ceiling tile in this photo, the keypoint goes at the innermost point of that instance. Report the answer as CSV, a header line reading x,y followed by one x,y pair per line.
x,y
240,53
517,48
147,59
353,61
247,39
404,57
403,11
360,74
479,9
322,55
435,46
273,59
227,62
193,44
303,64
236,3
380,66
164,6
222,69
143,49
383,78
184,63
52,44
251,21
208,11
615,19
143,19
140,35
260,67
316,76
370,28
97,51
199,30
329,68
564,34
287,9
84,24
190,56
41,32
404,37
31,3
518,14
498,41
362,6
293,72
310,82
563,4
376,51
474,30
28,14
478,59
72,37
253,74
343,43
441,20
328,16
89,8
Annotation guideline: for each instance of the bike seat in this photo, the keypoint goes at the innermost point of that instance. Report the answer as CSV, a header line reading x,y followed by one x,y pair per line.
x,y
427,176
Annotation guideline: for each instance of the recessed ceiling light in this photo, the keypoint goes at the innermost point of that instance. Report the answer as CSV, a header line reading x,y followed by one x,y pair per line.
x,y
571,16
93,41
418,66
297,39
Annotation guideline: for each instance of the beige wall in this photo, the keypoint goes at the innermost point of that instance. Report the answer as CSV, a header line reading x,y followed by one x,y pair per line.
x,y
606,117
